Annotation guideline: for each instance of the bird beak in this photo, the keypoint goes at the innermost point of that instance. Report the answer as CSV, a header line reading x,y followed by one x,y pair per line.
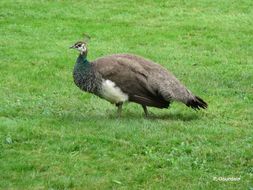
x,y
71,47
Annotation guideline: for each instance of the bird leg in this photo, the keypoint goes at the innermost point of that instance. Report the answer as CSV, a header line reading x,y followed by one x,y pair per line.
x,y
145,110
119,105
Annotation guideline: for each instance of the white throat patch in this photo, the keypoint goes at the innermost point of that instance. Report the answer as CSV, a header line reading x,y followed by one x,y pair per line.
x,y
112,93
82,48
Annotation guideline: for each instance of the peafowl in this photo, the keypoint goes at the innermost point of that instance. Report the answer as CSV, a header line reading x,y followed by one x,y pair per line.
x,y
120,78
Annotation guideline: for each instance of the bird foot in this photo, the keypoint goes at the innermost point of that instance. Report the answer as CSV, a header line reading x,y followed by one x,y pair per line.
x,y
119,105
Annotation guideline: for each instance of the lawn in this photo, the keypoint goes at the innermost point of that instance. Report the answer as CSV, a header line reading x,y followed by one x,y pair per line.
x,y
54,136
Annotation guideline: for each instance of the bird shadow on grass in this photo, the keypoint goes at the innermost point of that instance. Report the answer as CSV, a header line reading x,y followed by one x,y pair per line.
x,y
156,116
174,116
126,116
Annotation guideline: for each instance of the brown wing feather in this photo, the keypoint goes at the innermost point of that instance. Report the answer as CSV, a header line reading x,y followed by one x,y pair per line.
x,y
131,78
164,81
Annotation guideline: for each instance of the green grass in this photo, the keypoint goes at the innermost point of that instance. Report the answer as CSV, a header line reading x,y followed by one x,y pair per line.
x,y
53,136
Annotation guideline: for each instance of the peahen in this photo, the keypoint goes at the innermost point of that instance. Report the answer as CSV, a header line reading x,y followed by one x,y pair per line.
x,y
119,78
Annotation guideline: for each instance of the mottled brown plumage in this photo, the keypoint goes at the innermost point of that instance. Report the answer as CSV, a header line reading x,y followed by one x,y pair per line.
x,y
146,82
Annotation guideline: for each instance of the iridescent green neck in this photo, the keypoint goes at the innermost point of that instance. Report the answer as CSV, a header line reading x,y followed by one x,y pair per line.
x,y
82,59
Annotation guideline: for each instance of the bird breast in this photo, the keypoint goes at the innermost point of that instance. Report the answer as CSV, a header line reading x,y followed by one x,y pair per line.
x,y
112,93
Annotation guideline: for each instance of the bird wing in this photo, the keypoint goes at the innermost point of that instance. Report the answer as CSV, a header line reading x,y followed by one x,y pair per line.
x,y
164,82
131,77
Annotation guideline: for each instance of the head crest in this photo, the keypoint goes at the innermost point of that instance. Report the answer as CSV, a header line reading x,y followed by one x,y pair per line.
x,y
86,38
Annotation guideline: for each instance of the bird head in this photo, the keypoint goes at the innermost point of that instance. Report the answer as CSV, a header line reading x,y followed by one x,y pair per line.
x,y
81,46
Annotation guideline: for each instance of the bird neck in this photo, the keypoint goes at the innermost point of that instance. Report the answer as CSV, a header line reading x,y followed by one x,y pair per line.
x,y
82,59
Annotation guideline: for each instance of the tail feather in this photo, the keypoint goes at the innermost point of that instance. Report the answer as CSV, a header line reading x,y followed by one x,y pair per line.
x,y
197,103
